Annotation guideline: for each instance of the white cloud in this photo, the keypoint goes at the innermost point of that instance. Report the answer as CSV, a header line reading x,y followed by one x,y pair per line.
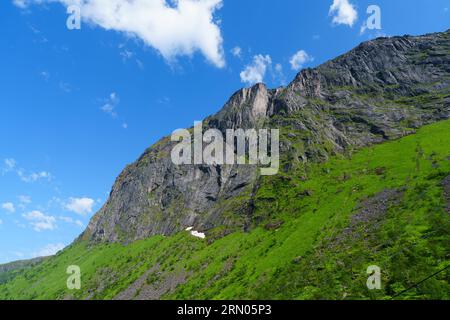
x,y
163,100
25,199
278,74
34,176
45,75
49,250
21,3
8,165
236,51
66,87
299,59
110,105
343,12
278,67
173,28
1,221
126,54
9,207
256,71
70,220
363,28
81,206
40,221
140,64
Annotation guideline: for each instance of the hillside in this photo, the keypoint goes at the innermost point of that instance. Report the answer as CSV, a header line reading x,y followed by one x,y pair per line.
x,y
364,180
10,270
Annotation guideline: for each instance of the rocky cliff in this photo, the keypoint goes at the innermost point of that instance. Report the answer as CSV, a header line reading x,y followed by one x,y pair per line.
x,y
383,89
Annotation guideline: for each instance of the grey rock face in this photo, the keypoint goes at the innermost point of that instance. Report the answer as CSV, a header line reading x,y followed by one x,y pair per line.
x,y
247,108
383,89
370,213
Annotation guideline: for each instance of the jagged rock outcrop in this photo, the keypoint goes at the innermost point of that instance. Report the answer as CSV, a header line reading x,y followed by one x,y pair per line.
x,y
381,90
247,108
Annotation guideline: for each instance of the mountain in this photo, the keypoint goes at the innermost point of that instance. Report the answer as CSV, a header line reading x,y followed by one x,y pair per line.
x,y
381,90
364,180
9,270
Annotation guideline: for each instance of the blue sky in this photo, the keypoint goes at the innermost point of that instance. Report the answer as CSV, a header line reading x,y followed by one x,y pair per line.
x,y
76,106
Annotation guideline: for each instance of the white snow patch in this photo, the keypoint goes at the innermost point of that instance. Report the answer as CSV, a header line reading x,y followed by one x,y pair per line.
x,y
198,234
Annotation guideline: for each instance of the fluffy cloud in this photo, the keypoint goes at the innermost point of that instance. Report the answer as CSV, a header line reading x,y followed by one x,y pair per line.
x,y
81,206
69,220
126,54
10,165
343,12
278,74
110,105
21,3
34,176
45,75
25,199
236,51
40,221
174,28
49,250
9,207
256,71
299,59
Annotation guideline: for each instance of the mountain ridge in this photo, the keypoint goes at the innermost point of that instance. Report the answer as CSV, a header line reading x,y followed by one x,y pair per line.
x,y
338,103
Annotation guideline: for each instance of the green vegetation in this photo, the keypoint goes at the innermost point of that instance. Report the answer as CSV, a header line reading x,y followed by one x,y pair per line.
x,y
309,246
11,270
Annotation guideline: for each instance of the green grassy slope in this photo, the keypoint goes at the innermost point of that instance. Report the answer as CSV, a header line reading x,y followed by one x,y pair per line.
x,y
324,224
10,270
